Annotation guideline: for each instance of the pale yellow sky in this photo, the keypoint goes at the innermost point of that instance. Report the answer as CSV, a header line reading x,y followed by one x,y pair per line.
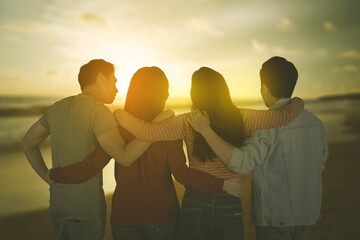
x,y
44,43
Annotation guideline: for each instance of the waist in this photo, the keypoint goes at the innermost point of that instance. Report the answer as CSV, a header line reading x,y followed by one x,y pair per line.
x,y
77,196
221,200
215,168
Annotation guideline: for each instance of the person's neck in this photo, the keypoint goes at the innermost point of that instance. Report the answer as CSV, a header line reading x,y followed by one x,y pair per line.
x,y
272,100
278,103
92,91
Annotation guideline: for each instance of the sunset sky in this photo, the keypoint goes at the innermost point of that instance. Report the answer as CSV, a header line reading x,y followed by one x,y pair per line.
x,y
44,42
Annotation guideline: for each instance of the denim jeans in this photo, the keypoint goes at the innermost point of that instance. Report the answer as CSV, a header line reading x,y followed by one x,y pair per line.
x,y
77,228
210,216
282,233
145,232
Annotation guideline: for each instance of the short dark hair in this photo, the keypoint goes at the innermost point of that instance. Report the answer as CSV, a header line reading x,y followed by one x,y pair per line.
x,y
280,76
89,71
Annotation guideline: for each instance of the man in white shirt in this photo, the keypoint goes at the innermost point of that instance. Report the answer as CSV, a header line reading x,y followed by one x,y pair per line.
x,y
286,162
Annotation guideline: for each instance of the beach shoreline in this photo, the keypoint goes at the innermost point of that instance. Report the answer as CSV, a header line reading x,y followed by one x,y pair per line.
x,y
340,208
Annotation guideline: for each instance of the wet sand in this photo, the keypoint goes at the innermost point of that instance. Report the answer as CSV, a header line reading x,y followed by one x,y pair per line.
x,y
340,205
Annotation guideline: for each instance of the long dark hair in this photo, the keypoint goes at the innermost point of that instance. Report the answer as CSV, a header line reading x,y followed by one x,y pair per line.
x,y
146,96
210,93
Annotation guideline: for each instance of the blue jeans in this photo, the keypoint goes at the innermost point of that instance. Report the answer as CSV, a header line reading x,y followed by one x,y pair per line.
x,y
214,216
145,232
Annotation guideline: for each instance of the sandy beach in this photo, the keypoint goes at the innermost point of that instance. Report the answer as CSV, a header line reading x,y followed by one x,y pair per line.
x,y
340,205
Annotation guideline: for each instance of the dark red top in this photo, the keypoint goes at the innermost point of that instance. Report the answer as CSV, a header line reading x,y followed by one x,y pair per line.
x,y
144,193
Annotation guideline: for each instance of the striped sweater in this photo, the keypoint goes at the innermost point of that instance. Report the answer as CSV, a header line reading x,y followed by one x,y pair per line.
x,y
178,128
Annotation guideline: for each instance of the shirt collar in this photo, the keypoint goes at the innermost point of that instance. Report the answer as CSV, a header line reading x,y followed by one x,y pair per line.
x,y
279,104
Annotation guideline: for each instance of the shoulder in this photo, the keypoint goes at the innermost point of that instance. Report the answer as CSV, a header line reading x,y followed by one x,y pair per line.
x,y
266,133
99,106
59,106
62,101
183,116
176,143
173,145
248,113
309,117
168,147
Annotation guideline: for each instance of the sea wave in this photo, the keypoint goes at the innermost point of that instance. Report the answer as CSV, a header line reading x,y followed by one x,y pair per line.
x,y
23,111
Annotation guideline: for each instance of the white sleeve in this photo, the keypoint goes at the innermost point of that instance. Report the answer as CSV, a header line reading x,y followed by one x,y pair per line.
x,y
253,152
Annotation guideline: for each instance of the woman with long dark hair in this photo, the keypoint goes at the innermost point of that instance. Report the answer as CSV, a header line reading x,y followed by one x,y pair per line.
x,y
226,119
210,216
145,204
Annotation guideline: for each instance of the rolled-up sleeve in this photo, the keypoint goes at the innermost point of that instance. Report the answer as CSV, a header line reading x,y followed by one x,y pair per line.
x,y
253,152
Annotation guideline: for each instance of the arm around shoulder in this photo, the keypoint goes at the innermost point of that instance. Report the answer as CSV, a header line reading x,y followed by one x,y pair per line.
x,y
253,152
172,128
125,154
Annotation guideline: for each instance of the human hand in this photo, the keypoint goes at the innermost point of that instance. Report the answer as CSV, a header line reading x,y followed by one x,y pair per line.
x,y
48,180
232,186
163,116
200,121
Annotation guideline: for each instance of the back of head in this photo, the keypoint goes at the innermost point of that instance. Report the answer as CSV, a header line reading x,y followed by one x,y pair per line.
x,y
88,72
210,93
146,96
147,93
280,76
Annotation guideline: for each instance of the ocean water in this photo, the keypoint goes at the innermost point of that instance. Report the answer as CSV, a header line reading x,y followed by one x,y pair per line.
x,y
22,190
17,114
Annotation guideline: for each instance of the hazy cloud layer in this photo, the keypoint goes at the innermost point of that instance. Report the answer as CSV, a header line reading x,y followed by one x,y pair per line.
x,y
20,26
328,26
235,37
346,68
285,24
93,19
350,54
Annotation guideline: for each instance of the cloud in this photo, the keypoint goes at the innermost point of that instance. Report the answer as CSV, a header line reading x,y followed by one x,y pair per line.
x,y
206,26
259,47
285,24
51,72
347,68
93,19
328,26
6,79
12,38
289,51
281,51
20,27
322,52
350,54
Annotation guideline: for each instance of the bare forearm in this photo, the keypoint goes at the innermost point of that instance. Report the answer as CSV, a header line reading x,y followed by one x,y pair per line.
x,y
36,161
167,130
221,148
131,152
124,154
30,145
